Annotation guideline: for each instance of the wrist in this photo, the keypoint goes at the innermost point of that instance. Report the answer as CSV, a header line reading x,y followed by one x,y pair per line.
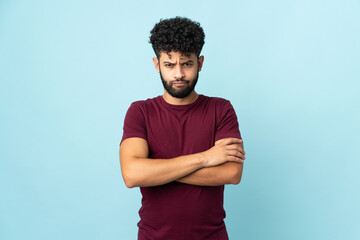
x,y
201,159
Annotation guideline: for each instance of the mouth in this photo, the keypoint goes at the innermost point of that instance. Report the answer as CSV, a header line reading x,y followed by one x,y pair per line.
x,y
179,83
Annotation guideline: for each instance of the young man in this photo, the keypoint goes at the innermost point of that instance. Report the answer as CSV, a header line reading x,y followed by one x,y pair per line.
x,y
181,148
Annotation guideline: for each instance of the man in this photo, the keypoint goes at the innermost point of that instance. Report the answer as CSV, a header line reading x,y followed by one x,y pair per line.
x,y
181,148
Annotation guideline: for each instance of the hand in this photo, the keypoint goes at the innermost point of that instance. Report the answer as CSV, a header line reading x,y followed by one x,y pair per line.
x,y
227,150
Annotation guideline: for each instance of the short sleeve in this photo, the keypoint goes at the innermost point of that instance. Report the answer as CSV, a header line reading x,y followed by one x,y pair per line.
x,y
134,123
227,124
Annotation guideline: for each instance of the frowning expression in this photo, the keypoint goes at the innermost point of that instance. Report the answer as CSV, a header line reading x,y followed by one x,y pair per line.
x,y
179,72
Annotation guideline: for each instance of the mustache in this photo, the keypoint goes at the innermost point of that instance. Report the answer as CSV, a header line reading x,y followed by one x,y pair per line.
x,y
179,80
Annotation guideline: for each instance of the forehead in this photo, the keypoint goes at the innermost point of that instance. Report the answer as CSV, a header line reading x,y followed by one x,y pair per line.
x,y
164,56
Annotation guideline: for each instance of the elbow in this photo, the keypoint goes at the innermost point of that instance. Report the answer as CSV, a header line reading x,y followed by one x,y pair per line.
x,y
236,180
236,176
129,181
129,184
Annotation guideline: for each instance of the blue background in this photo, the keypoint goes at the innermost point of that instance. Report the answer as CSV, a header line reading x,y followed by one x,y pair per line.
x,y
70,69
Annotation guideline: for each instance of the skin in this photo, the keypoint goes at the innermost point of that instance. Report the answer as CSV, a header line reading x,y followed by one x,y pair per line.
x,y
174,66
221,164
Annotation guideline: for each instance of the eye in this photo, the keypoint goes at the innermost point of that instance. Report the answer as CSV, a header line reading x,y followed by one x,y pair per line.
x,y
187,64
168,65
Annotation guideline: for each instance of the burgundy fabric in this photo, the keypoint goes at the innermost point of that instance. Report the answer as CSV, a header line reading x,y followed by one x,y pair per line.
x,y
176,210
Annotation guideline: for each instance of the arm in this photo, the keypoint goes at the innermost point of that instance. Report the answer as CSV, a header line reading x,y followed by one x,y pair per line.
x,y
139,170
227,173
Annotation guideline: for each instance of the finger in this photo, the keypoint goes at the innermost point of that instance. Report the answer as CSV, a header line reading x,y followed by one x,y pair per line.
x,y
234,159
235,147
232,141
242,150
228,141
219,142
236,153
240,155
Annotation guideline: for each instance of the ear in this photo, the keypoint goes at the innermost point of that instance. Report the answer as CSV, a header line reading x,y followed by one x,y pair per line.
x,y
200,62
156,64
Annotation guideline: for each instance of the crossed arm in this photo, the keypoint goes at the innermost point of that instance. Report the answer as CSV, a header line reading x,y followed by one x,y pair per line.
x,y
221,164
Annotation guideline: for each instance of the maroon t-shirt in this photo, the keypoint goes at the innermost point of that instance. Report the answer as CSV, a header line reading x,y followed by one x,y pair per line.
x,y
176,210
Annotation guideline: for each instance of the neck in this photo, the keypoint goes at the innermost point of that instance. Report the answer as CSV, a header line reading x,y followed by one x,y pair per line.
x,y
180,101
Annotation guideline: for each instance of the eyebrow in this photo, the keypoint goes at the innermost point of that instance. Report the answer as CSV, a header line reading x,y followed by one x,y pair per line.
x,y
168,62
190,61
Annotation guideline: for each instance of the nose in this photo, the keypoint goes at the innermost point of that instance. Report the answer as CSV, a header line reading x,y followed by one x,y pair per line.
x,y
179,72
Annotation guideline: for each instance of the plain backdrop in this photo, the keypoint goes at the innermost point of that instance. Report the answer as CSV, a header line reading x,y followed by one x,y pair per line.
x,y
70,69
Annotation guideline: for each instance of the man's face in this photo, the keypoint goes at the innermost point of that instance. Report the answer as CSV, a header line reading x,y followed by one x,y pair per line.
x,y
179,73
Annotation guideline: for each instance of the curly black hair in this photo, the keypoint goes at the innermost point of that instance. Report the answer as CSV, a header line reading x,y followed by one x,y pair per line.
x,y
178,34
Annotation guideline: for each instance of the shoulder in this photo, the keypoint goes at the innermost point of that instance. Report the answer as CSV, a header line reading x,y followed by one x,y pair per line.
x,y
145,104
221,106
216,101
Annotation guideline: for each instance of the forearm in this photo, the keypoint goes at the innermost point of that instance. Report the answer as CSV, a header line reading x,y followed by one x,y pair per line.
x,y
227,173
140,171
145,172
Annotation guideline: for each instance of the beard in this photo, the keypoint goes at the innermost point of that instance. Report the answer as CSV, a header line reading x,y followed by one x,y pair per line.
x,y
182,92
